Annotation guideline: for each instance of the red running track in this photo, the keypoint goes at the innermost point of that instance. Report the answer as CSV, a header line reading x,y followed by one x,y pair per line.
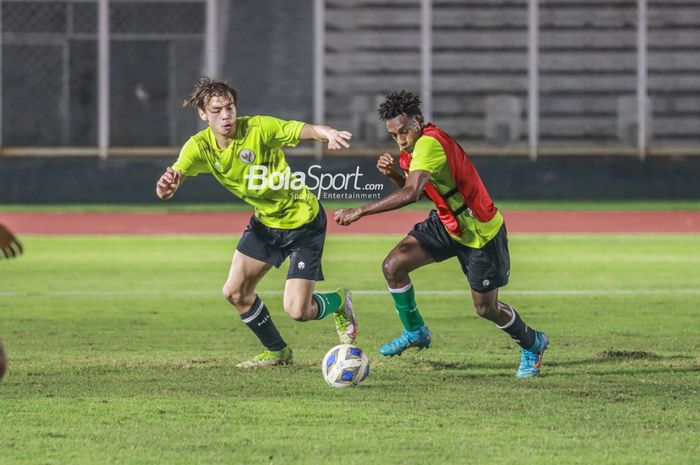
x,y
397,222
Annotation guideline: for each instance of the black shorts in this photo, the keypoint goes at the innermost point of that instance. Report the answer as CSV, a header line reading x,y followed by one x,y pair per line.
x,y
486,269
303,246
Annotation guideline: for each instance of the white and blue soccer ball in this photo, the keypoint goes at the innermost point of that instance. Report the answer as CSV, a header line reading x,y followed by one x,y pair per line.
x,y
345,365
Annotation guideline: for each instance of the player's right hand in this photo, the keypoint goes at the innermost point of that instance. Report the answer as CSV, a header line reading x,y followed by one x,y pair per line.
x,y
168,183
386,164
347,216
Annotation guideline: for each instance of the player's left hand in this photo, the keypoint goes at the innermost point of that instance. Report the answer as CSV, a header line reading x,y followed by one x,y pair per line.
x,y
338,139
347,216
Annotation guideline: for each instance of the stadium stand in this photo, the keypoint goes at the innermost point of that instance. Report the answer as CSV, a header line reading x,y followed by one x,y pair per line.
x,y
588,65
588,69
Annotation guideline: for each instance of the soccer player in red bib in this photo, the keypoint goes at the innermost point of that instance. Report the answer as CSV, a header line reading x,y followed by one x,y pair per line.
x,y
465,224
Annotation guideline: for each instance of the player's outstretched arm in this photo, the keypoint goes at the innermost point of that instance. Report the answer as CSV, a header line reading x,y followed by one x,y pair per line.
x,y
169,183
320,132
10,246
411,192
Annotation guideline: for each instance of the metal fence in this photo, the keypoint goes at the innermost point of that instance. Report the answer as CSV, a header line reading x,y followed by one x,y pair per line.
x,y
514,76
52,79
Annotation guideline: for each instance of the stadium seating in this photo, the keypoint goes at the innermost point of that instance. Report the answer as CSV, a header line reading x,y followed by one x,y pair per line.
x,y
588,65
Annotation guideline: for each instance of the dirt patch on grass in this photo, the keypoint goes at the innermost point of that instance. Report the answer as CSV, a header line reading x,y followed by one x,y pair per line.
x,y
626,355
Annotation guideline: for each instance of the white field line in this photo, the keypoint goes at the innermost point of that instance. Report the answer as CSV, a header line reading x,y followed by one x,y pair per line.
x,y
446,292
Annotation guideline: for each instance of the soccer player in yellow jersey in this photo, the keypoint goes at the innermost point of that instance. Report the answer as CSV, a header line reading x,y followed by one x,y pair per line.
x,y
244,154
465,224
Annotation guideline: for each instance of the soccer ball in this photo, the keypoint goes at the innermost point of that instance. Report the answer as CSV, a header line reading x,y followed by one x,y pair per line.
x,y
345,365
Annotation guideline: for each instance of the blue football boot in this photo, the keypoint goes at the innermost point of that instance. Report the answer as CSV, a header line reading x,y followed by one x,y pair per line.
x,y
421,338
530,359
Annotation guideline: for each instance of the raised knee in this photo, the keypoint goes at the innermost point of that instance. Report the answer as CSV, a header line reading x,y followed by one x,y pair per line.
x,y
237,297
390,267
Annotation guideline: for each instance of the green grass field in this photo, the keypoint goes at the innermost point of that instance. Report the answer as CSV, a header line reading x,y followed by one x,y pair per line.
x,y
122,352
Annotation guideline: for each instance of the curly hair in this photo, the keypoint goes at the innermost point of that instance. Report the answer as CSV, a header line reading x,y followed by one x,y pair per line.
x,y
399,102
207,88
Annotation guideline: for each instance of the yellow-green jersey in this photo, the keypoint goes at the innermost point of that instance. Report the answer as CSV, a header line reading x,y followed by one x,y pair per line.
x,y
463,203
253,168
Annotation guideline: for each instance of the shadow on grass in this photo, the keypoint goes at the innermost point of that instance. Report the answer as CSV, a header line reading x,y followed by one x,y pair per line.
x,y
615,356
601,358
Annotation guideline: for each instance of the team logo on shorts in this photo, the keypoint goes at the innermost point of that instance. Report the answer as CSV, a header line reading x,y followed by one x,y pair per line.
x,y
247,156
301,265
486,283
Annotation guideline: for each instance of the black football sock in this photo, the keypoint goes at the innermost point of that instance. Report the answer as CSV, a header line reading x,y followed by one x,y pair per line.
x,y
260,322
521,333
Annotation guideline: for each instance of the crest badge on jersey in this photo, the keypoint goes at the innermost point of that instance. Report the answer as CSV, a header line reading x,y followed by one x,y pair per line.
x,y
247,156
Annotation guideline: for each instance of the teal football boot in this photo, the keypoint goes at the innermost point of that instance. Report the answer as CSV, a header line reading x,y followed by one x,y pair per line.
x,y
530,360
420,338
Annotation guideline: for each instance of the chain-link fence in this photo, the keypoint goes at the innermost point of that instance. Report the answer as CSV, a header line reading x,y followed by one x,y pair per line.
x,y
50,71
156,55
561,75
